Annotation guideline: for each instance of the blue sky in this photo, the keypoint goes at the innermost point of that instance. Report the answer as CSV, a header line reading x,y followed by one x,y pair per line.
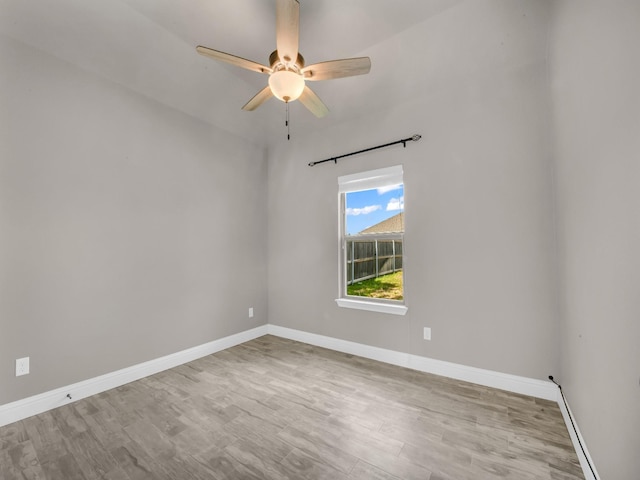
x,y
368,207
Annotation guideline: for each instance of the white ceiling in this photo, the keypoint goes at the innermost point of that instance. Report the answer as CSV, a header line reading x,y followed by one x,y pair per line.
x,y
148,46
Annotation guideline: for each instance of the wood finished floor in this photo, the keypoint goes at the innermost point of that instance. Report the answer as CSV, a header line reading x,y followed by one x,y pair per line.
x,y
278,409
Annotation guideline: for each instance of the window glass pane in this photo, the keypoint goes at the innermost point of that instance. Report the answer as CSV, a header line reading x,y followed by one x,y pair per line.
x,y
374,228
370,211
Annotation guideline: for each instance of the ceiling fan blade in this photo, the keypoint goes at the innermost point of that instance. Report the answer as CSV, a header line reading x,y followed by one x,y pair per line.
x,y
259,98
287,30
233,60
313,103
347,67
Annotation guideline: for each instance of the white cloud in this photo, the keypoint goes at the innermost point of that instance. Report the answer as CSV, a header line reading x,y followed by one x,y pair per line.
x,y
395,204
388,188
363,210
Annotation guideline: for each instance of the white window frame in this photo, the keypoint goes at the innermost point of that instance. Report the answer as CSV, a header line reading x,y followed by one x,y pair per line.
x,y
352,183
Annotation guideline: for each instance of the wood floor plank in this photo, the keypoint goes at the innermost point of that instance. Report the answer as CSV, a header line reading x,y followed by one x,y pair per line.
x,y
25,460
12,435
92,459
278,409
46,437
300,465
324,449
136,464
64,467
225,466
435,456
400,466
365,471
8,471
150,439
260,458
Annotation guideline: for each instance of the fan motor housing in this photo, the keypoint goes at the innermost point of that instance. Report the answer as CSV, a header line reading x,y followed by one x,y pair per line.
x,y
274,60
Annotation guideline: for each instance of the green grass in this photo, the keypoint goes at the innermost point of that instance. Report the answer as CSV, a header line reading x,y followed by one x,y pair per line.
x,y
387,286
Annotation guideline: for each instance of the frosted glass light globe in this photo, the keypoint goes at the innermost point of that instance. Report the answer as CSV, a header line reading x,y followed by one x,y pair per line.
x,y
286,85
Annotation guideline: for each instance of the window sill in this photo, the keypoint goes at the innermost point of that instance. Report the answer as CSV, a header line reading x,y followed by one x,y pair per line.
x,y
372,306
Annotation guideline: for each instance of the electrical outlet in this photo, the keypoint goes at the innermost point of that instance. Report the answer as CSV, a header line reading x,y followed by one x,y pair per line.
x,y
251,312
427,333
22,366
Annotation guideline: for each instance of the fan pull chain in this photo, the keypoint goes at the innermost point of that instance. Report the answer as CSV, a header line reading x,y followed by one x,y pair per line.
x,y
286,122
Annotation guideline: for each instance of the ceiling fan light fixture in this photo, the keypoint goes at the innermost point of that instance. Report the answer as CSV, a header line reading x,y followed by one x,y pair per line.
x,y
287,71
286,85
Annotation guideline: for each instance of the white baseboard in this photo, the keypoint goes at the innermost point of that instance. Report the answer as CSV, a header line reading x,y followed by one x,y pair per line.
x,y
14,411
503,381
489,378
344,346
583,456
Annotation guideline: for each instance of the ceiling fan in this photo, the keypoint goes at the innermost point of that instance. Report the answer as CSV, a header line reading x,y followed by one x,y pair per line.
x,y
287,71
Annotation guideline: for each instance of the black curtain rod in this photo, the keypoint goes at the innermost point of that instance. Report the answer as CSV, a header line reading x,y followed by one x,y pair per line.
x,y
404,141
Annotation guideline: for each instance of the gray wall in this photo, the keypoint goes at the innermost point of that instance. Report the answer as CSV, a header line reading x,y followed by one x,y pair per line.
x,y
595,66
128,230
480,258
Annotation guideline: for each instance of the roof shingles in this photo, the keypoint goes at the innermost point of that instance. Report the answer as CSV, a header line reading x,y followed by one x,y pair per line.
x,y
393,224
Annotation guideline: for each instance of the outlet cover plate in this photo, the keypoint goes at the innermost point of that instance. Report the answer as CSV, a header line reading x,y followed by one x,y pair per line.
x,y
251,312
22,366
427,333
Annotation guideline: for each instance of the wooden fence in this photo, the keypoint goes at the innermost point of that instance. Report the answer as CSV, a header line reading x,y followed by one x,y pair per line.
x,y
370,258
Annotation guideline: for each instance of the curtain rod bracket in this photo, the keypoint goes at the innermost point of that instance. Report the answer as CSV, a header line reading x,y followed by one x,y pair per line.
x,y
403,141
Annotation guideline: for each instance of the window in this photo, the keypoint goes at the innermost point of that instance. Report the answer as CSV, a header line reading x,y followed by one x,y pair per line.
x,y
372,241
